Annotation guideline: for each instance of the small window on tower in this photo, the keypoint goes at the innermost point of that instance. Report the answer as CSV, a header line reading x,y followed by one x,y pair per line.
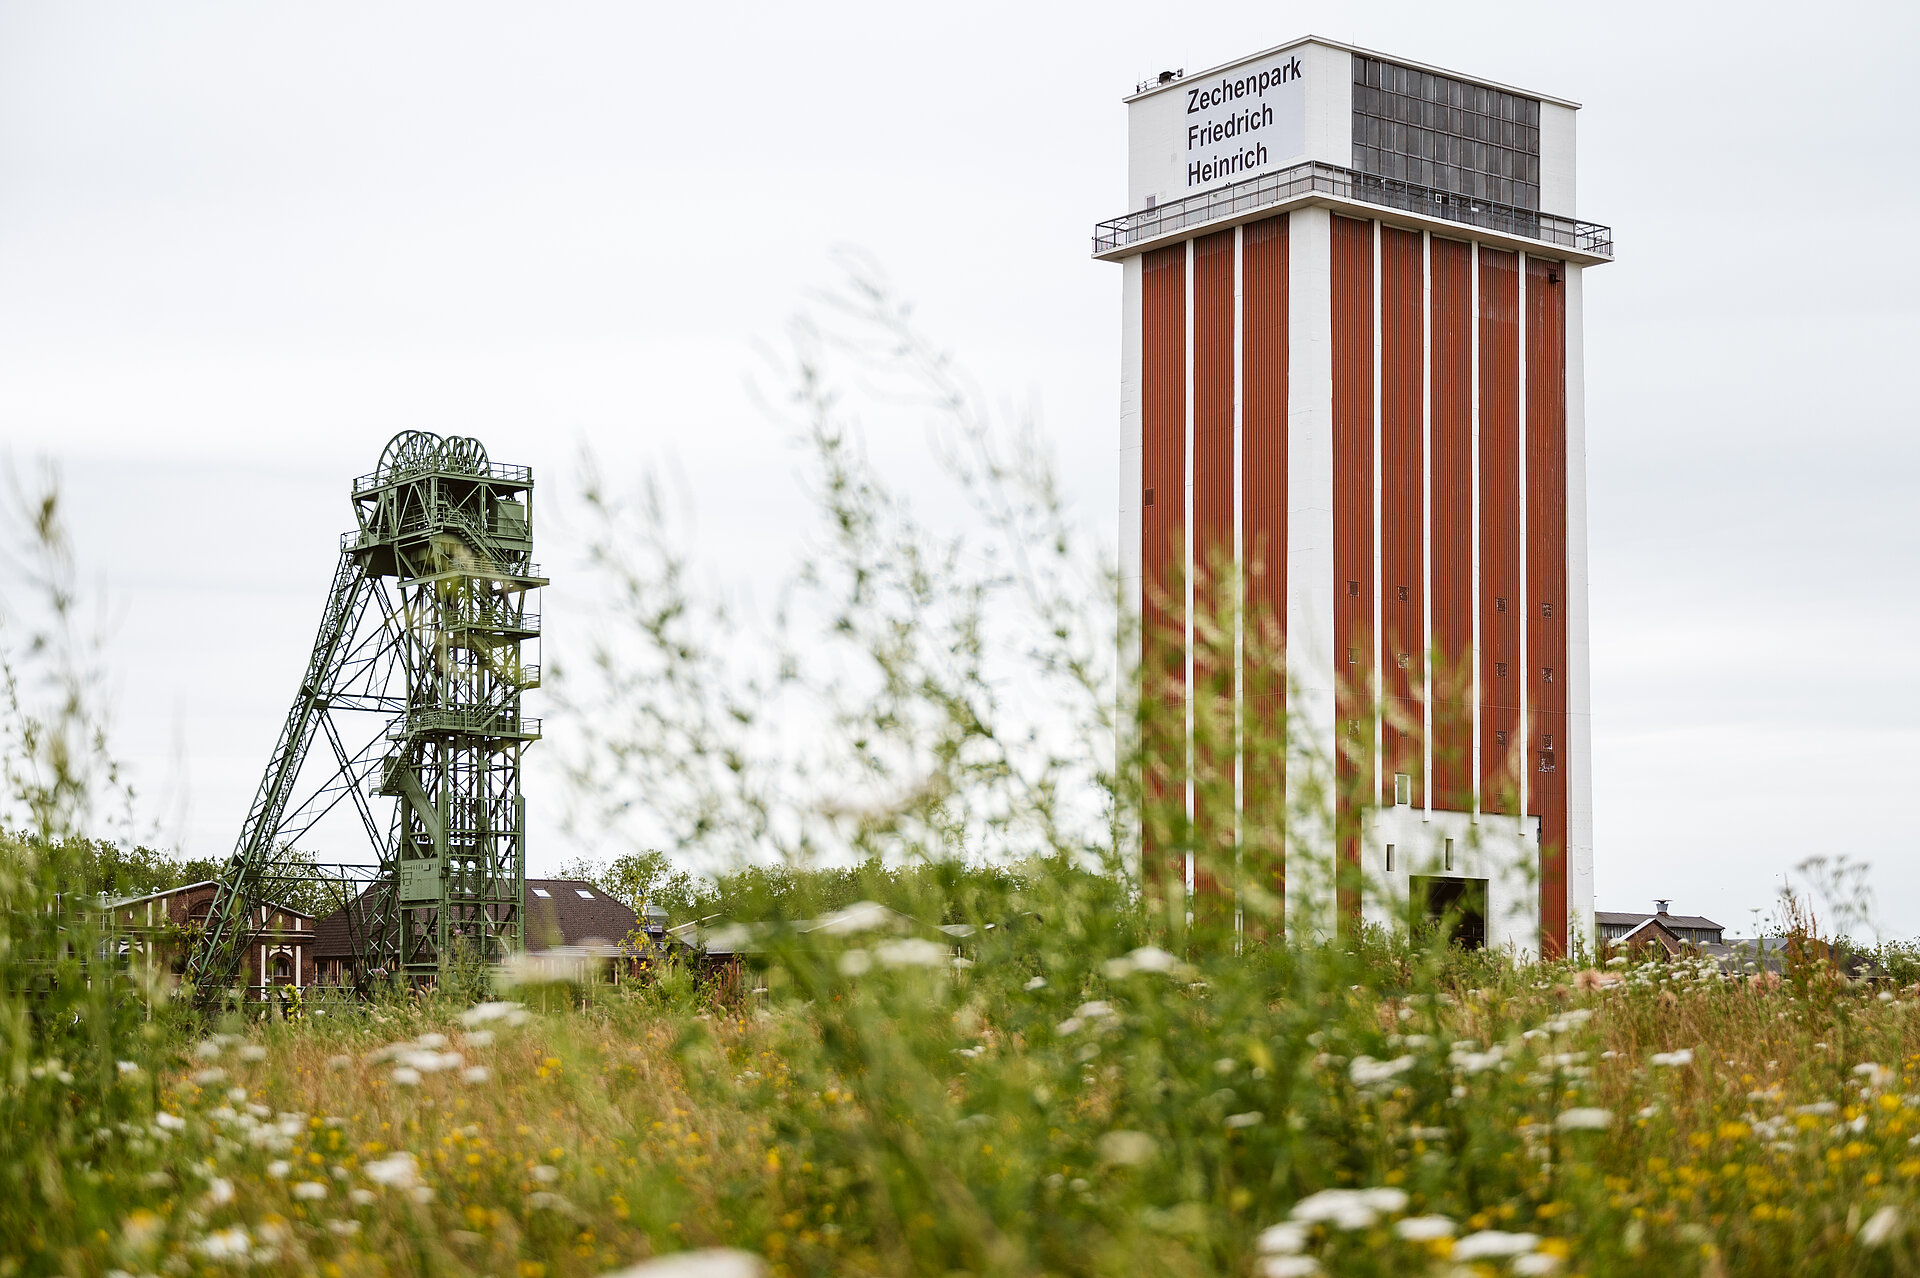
x,y
1499,603
1353,727
1389,858
1149,496
1353,656
1402,659
1500,738
1449,854
1546,674
1499,669
1353,590
1546,741
1403,594
1402,790
1546,610
1546,761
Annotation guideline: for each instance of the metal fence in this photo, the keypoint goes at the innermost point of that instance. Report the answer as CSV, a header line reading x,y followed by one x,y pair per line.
x,y
1315,178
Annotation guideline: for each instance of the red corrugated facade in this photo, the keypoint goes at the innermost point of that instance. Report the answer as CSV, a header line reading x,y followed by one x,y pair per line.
x,y
1163,530
1546,306
1403,574
1213,520
1450,503
1353,337
1500,673
1264,285
1449,555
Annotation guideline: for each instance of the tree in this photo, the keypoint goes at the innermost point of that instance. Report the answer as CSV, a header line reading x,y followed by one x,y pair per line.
x,y
640,879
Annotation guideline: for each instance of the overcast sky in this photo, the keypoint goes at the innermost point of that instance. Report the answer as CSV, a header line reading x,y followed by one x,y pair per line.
x,y
241,245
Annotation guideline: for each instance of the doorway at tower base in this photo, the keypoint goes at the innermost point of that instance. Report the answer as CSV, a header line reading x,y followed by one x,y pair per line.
x,y
1403,843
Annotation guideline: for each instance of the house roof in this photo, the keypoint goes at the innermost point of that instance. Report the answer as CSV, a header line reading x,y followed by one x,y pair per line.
x,y
1694,921
1653,930
120,903
556,912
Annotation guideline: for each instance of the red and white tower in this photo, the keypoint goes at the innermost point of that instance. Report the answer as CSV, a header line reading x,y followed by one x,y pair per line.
x,y
1352,368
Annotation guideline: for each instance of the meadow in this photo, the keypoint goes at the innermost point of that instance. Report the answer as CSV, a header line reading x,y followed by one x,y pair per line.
x,y
871,1107
1090,1082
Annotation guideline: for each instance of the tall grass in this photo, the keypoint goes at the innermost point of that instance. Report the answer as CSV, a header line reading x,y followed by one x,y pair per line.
x,y
1088,1073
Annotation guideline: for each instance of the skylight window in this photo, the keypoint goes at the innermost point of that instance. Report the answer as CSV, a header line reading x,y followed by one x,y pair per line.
x,y
541,892
584,894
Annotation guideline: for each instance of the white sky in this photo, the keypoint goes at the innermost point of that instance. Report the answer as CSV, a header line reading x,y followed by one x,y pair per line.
x,y
241,245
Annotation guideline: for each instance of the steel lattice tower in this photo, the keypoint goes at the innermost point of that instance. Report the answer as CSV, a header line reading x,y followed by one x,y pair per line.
x,y
415,684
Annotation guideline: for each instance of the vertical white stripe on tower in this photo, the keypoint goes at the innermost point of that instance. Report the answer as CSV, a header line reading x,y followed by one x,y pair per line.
x,y
1473,654
1187,552
1311,734
1579,727
1523,748
1132,480
1376,655
1239,561
1426,518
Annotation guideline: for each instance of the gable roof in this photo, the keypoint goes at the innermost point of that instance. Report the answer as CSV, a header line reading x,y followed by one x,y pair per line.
x,y
555,912
1607,918
121,903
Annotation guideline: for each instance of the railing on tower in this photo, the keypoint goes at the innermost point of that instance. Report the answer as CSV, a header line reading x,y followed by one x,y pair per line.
x,y
1315,178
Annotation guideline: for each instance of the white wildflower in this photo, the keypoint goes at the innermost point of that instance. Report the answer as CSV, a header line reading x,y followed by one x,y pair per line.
x,y
1367,1072
360,1197
546,1175
226,1244
1037,983
209,1049
1424,1228
1148,958
1494,1242
1349,1208
431,1042
396,1170
475,1074
219,1192
1876,1074
1584,1119
343,1228
1679,1056
127,1067
1818,1108
170,1122
1126,1148
478,1038
253,1052
432,1062
1072,1025
481,1013
1252,1118
422,1193
718,1262
1098,1009
1880,1227
1288,1238
406,1076
1534,1264
210,1077
911,951
855,963
310,1190
279,1168
1288,1267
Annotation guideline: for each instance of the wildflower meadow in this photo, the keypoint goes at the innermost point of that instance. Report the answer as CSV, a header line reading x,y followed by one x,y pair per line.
x,y
1034,1060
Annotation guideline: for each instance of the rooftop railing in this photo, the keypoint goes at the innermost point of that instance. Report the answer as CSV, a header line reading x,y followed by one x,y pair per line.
x,y
1314,178
498,472
481,722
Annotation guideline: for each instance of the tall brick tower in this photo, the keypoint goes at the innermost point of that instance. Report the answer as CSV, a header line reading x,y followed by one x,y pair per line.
x,y
1353,372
